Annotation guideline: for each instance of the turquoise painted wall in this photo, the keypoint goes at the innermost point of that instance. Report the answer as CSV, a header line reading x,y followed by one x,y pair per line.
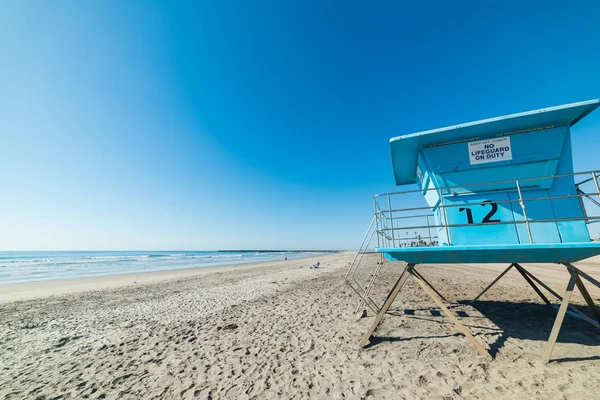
x,y
480,208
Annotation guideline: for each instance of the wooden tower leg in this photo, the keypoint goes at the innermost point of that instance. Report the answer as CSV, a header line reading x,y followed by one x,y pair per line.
x,y
388,302
583,290
528,279
417,273
560,316
577,311
588,298
432,293
493,283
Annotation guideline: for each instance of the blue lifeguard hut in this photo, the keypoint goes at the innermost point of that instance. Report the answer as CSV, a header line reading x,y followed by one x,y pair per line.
x,y
500,190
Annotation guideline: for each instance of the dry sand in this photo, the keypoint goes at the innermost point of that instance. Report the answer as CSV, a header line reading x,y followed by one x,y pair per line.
x,y
283,330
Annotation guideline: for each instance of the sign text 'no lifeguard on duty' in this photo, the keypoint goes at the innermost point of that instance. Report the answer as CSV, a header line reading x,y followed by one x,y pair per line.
x,y
490,150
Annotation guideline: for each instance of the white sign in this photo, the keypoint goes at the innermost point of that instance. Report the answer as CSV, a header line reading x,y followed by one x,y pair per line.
x,y
490,150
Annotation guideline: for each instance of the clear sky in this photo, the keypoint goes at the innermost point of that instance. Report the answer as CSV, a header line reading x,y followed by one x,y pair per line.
x,y
256,124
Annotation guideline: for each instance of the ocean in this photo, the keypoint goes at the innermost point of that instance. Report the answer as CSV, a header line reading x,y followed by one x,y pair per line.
x,y
30,266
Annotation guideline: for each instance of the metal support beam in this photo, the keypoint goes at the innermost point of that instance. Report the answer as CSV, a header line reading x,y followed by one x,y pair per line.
x,y
372,280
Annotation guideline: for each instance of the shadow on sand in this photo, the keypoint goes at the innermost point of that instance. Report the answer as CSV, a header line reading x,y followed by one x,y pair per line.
x,y
533,321
519,320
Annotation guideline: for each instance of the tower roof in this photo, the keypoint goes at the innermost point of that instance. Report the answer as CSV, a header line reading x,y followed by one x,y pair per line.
x,y
405,148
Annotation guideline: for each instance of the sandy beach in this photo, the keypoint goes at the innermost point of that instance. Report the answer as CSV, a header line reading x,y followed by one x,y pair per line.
x,y
282,330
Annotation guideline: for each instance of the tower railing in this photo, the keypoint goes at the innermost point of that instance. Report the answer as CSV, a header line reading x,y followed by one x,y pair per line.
x,y
401,219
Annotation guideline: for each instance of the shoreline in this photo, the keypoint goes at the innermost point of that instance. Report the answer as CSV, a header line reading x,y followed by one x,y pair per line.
x,y
23,291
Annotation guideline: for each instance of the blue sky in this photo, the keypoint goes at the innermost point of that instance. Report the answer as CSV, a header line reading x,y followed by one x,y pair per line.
x,y
255,124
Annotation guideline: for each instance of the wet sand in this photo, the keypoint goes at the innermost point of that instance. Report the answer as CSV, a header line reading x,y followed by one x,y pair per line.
x,y
283,330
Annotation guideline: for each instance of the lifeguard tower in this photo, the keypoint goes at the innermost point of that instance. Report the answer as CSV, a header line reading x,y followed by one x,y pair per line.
x,y
500,190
